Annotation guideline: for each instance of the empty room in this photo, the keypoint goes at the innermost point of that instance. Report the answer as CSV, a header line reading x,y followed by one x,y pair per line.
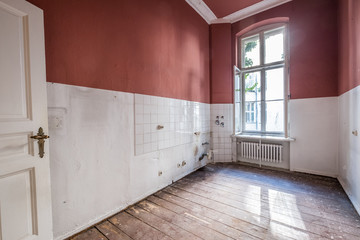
x,y
179,119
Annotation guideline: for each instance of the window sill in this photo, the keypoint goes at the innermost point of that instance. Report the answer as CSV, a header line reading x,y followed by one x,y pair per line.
x,y
262,137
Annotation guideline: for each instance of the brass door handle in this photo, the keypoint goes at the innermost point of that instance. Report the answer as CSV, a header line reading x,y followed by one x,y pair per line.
x,y
41,141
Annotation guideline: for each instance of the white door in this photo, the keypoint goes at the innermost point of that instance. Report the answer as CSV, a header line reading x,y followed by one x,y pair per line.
x,y
25,196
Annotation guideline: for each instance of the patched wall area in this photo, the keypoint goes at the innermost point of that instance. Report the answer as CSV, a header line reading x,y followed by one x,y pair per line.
x,y
94,170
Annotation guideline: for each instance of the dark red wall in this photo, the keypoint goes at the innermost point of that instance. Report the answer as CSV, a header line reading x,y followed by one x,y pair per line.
x,y
157,47
349,45
313,45
221,66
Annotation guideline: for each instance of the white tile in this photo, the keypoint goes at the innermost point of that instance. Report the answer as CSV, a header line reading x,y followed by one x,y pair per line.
x,y
139,149
139,99
162,118
139,138
147,109
161,136
147,100
167,135
154,146
154,109
154,127
147,128
172,110
139,129
147,138
162,144
154,100
154,137
161,101
147,118
147,148
139,109
154,118
139,118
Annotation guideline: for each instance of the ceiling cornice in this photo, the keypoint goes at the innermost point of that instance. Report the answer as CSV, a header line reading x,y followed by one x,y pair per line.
x,y
205,12
254,9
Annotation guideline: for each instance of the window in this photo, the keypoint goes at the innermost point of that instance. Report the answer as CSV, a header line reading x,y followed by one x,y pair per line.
x,y
261,83
250,113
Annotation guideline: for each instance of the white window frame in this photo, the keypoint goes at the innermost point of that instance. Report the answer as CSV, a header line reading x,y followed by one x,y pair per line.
x,y
251,112
241,71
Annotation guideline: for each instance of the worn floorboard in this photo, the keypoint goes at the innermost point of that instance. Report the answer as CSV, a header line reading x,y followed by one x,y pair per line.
x,y
111,232
232,201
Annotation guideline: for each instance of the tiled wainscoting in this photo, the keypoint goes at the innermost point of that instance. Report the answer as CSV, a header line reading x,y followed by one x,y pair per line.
x,y
221,124
165,122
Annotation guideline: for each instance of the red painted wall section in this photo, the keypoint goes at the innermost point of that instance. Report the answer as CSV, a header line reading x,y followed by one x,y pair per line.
x,y
157,47
313,33
349,45
221,66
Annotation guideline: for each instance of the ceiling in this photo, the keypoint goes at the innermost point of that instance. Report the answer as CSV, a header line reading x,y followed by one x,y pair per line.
x,y
230,11
223,8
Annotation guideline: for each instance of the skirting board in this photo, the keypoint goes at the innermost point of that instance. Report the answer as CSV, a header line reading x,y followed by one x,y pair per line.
x,y
119,209
333,175
91,223
347,191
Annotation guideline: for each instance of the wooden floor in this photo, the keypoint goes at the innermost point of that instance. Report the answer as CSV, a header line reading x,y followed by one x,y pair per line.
x,y
231,201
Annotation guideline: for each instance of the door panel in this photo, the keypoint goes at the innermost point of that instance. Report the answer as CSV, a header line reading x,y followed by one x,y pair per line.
x,y
14,65
16,145
19,186
25,195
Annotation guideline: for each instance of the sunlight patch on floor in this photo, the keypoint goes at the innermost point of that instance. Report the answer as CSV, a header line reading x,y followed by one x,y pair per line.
x,y
281,231
252,205
285,210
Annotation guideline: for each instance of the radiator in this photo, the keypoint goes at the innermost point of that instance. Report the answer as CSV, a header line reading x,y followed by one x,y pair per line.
x,y
264,152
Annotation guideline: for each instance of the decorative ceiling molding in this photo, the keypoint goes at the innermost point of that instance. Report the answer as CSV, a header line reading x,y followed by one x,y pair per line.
x,y
205,12
254,9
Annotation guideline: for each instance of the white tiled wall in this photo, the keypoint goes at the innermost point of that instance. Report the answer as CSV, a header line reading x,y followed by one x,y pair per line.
x,y
180,120
221,135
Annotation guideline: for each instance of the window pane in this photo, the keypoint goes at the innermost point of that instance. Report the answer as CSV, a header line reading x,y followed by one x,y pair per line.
x,y
252,117
237,88
274,80
274,45
237,118
275,116
251,51
252,86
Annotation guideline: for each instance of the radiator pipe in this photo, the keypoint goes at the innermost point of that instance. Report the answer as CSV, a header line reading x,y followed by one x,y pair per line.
x,y
202,156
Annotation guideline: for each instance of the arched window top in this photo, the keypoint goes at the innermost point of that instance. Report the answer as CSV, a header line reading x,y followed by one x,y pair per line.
x,y
262,24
